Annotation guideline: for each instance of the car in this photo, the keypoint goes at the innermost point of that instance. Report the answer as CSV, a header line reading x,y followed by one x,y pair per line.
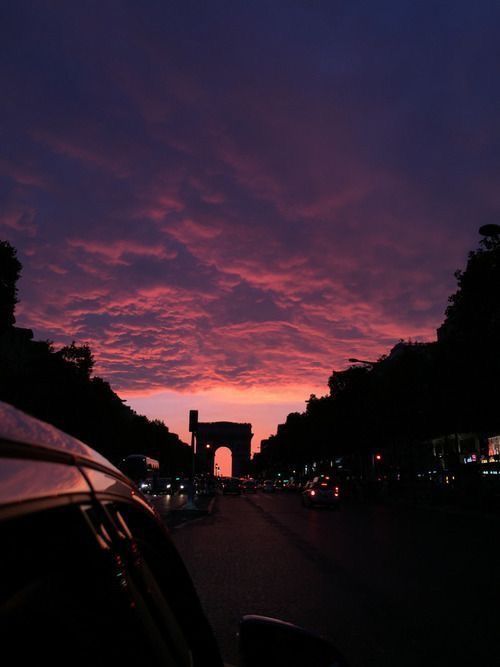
x,y
182,485
322,491
268,486
156,486
231,485
249,486
89,573
146,485
163,486
205,485
291,486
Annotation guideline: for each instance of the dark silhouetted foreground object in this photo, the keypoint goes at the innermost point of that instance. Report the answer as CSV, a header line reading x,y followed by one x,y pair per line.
x,y
266,642
489,230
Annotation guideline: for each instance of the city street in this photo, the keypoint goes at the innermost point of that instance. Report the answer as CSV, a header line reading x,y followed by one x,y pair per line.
x,y
388,586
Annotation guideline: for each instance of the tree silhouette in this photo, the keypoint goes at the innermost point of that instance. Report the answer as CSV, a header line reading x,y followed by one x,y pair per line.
x,y
473,316
80,356
10,270
58,388
470,339
419,391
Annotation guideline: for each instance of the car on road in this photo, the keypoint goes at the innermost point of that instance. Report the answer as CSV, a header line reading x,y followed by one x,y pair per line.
x,y
163,486
268,486
249,486
231,486
325,492
205,485
89,574
156,486
146,485
291,486
182,485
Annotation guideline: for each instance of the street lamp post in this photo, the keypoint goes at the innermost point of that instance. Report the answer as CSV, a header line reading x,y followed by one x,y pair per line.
x,y
208,447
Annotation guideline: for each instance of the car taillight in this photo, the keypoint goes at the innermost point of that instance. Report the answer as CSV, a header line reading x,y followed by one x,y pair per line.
x,y
313,493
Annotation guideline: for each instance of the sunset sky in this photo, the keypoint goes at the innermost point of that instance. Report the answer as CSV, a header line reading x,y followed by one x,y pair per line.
x,y
227,200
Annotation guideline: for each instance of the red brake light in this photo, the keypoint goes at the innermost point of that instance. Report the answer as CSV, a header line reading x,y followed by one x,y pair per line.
x,y
313,493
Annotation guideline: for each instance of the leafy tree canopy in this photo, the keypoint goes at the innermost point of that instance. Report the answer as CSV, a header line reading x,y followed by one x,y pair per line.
x,y
80,356
473,314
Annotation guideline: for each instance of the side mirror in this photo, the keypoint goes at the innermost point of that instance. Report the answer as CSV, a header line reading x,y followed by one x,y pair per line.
x,y
267,642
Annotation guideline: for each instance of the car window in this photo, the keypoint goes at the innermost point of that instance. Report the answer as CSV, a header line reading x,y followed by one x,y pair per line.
x,y
162,563
66,597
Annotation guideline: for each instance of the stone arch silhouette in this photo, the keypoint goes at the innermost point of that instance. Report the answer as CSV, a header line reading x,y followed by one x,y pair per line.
x,y
234,436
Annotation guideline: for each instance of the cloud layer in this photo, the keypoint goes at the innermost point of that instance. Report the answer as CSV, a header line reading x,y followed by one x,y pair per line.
x,y
244,194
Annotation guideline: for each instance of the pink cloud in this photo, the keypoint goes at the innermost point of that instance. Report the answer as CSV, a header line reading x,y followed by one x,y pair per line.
x,y
19,218
121,251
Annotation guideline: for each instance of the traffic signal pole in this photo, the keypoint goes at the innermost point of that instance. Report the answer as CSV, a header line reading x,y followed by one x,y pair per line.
x,y
193,427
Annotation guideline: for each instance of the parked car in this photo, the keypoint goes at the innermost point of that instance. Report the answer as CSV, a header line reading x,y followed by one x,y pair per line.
x,y
268,486
324,492
90,576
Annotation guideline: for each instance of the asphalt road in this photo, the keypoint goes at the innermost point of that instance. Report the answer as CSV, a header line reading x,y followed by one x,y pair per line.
x,y
387,586
164,504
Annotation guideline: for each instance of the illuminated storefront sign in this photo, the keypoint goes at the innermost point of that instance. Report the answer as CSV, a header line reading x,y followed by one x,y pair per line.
x,y
494,446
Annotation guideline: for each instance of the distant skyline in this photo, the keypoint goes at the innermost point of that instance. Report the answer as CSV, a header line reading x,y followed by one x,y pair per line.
x,y
227,200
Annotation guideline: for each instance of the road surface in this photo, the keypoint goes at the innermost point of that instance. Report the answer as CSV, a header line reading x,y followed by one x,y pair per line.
x,y
388,586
